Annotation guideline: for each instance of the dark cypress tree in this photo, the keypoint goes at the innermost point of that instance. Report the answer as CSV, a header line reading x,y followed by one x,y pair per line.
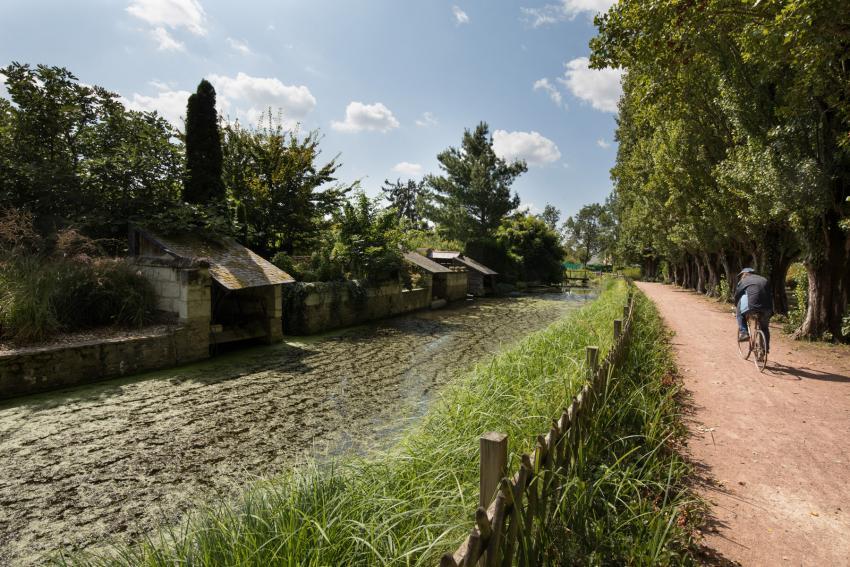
x,y
203,184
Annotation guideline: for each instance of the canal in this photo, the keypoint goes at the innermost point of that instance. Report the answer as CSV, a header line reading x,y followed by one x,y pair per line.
x,y
114,460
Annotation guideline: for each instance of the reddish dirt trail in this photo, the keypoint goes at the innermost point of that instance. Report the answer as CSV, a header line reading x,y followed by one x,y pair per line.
x,y
772,449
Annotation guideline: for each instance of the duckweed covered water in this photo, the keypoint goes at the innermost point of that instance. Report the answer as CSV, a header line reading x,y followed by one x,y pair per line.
x,y
115,459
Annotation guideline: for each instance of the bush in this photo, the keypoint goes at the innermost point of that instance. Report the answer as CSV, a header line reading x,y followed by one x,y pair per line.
x,y
40,297
798,280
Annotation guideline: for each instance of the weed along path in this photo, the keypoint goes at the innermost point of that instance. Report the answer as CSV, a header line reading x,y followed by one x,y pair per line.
x,y
772,449
114,459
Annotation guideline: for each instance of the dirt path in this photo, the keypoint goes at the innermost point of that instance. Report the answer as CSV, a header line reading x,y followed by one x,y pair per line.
x,y
114,459
773,448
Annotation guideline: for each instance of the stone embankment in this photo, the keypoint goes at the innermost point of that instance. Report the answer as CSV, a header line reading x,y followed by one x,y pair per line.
x,y
117,458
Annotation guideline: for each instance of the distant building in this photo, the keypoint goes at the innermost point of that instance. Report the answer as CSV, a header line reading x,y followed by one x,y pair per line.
x,y
217,283
481,279
447,284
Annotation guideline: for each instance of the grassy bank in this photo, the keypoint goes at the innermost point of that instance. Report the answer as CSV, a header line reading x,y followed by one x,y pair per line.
x,y
410,505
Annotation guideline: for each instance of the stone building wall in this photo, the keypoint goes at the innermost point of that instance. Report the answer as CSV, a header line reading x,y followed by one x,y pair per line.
x,y
40,369
457,284
318,307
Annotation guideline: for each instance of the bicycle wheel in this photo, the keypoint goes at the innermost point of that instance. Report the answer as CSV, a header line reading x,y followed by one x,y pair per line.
x,y
744,347
760,349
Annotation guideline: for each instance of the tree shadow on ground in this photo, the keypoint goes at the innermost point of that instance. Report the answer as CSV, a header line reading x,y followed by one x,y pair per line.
x,y
779,370
703,483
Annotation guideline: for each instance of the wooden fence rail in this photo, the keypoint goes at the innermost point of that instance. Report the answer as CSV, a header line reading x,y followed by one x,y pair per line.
x,y
513,522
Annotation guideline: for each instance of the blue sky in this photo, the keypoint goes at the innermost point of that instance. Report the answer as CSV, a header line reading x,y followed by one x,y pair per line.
x,y
390,83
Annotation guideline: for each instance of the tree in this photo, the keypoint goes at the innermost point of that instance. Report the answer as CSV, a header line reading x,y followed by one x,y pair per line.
x,y
734,121
282,195
535,247
409,199
588,231
367,240
474,195
551,215
203,184
72,155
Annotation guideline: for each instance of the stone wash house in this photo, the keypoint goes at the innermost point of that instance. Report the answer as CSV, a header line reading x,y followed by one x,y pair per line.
x,y
481,280
221,288
447,284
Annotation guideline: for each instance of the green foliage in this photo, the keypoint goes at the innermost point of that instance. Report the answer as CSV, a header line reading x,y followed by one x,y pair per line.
x,y
71,154
41,296
281,194
494,254
551,215
535,247
367,241
428,238
411,200
732,138
474,194
410,505
590,231
725,290
798,281
203,184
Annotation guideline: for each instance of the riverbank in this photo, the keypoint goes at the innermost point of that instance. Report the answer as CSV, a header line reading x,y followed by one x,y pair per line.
x,y
411,504
113,460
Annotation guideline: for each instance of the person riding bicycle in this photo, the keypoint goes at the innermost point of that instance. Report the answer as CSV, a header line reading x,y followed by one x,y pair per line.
x,y
753,294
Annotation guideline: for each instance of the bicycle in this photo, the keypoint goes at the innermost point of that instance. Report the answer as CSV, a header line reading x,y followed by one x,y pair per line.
x,y
757,342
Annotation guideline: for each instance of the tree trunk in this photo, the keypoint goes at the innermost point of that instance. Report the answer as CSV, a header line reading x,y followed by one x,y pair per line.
x,y
711,286
700,287
829,282
730,277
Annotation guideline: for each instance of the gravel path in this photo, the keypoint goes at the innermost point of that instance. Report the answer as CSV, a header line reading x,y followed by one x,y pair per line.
x,y
113,460
772,449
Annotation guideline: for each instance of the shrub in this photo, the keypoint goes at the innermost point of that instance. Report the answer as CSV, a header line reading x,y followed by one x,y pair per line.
x,y
27,312
798,281
40,297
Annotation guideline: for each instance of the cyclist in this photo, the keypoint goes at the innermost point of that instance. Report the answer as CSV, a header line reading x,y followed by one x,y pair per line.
x,y
753,294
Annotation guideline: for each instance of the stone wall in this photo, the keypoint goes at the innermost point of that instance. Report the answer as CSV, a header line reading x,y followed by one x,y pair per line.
x,y
457,284
182,288
40,369
316,307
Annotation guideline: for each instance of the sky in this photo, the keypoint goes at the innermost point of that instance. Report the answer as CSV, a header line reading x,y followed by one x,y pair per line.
x,y
388,83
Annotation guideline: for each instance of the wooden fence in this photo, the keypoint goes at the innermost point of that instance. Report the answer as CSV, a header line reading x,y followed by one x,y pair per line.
x,y
513,512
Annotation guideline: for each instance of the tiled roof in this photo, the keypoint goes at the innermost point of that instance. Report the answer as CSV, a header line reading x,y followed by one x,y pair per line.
x,y
231,264
465,260
425,263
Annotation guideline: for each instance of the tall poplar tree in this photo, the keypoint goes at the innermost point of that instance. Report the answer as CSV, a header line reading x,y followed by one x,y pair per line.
x,y
203,184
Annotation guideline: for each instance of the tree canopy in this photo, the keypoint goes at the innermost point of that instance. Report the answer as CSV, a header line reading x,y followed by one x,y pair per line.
x,y
733,142
474,193
203,184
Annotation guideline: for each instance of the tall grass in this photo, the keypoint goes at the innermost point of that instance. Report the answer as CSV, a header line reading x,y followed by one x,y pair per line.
x,y
409,505
40,296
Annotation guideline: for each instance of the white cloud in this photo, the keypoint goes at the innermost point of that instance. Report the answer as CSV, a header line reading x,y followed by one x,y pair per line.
x,y
245,96
460,16
171,105
565,10
549,88
408,168
248,97
600,87
427,120
164,41
603,144
532,147
359,116
174,14
240,46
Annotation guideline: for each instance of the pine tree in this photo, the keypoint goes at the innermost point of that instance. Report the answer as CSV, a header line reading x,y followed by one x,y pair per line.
x,y
203,184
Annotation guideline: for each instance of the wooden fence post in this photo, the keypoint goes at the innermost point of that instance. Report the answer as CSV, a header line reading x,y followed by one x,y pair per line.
x,y
625,311
494,463
618,329
592,356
